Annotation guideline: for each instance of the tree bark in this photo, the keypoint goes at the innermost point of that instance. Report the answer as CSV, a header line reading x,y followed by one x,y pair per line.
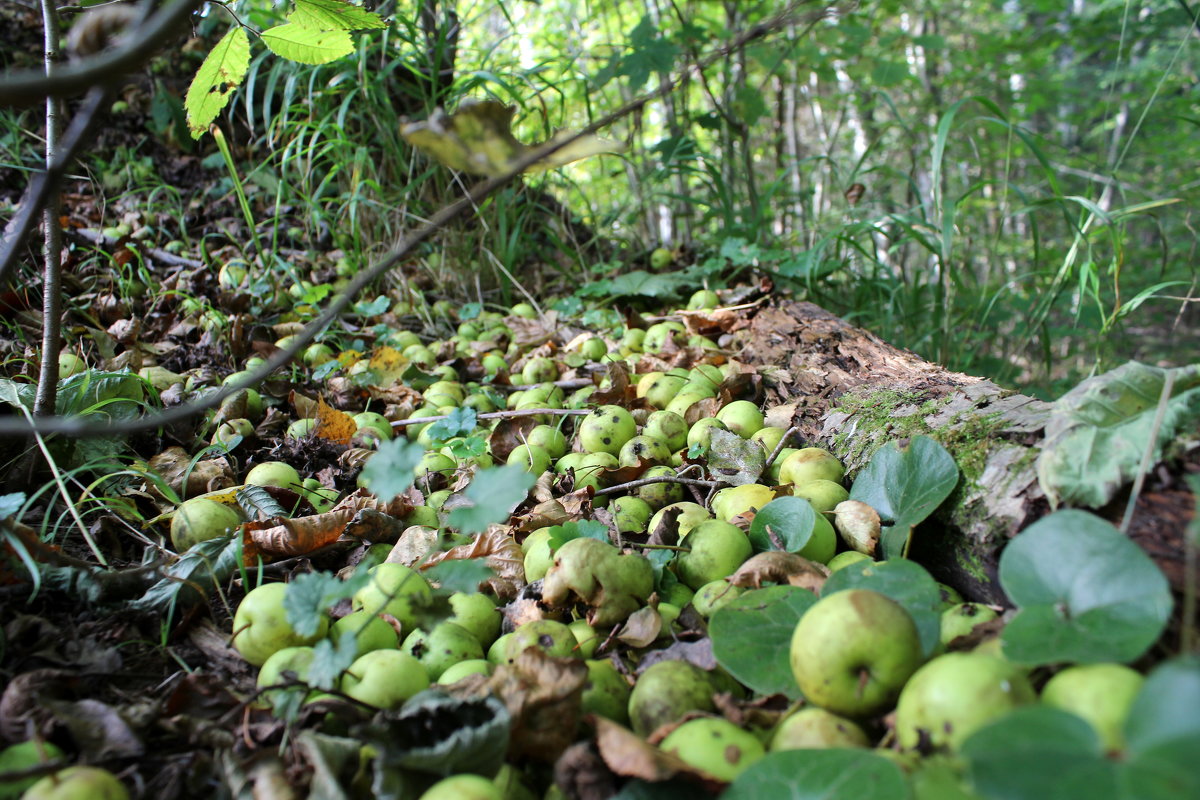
x,y
850,393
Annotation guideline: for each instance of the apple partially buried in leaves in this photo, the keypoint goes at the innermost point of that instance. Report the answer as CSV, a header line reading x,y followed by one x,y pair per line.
x,y
463,787
394,589
260,625
274,473
955,695
1100,693
714,745
853,650
813,728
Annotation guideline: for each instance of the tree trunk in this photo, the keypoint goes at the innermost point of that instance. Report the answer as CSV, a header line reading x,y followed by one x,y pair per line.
x,y
850,393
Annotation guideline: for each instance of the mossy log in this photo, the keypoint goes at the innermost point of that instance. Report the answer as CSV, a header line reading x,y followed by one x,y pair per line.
x,y
850,392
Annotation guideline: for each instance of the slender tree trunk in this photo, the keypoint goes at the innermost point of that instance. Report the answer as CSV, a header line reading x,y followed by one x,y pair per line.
x,y
52,248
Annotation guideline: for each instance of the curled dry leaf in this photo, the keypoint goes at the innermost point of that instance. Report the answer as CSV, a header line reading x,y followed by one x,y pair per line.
x,y
500,552
544,515
360,515
630,755
641,628
413,544
858,524
206,476
303,406
533,332
508,435
779,567
333,425
542,694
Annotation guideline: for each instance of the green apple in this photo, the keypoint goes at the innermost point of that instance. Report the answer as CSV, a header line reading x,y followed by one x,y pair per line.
x,y
1100,693
689,516
320,497
768,438
586,638
644,448
822,545
700,434
317,354
771,477
822,495
665,692
813,728
715,746
715,549
606,430
736,500
631,514
664,493
538,555
703,299
845,559
477,613
552,637
530,457
394,589
274,473
853,650
284,666
810,464
78,783
498,652
539,369
301,428
955,695
961,619
384,678
593,349
606,692
260,626
70,364
662,390
463,787
660,258
23,756
472,666
742,417
550,439
373,421
201,519
668,427
713,596
371,632
443,647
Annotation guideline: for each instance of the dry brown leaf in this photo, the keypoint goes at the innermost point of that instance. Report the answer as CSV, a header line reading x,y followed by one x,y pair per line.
x,y
779,567
389,364
333,425
542,694
305,407
173,464
508,435
499,551
544,515
641,628
630,755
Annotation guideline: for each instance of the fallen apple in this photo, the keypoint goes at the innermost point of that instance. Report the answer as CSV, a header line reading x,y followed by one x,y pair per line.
x,y
1100,693
261,628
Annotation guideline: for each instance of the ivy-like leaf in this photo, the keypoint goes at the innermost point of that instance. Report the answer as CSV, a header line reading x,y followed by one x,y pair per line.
x,y
785,523
333,15
460,574
832,774
390,470
308,45
222,72
458,422
752,637
310,595
331,659
494,493
905,485
1085,592
906,582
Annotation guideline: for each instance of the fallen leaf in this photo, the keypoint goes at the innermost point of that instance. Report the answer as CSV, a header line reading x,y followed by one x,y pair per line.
x,y
630,755
542,695
333,425
780,567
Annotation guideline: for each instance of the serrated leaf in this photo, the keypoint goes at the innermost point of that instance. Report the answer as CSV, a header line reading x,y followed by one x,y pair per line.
x,y
458,422
1084,592
734,460
832,774
785,523
906,582
390,470
1098,432
334,15
256,500
436,733
203,567
222,72
308,45
494,493
752,637
469,447
331,659
310,594
460,574
905,485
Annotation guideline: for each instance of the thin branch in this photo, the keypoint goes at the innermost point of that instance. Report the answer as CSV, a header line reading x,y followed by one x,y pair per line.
x,y
47,387
523,412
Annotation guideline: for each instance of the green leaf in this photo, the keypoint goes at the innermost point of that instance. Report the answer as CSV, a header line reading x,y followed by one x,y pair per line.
x,y
585,528
1163,722
460,574
905,485
390,470
307,45
904,581
256,500
651,54
636,283
333,15
458,422
331,659
17,395
833,774
1085,593
374,307
889,73
494,493
1098,432
310,595
752,637
10,504
436,733
734,460
118,395
222,72
785,523
202,568
470,447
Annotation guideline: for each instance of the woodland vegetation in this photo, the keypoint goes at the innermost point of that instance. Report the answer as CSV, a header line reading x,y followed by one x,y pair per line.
x,y
575,399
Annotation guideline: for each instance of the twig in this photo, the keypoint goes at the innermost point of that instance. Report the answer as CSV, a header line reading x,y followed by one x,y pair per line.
x,y
779,448
623,487
524,412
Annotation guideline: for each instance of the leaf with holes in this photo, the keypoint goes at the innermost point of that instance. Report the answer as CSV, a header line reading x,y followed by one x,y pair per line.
x,y
1084,591
905,485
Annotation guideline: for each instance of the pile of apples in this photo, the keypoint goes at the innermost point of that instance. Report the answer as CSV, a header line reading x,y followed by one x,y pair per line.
x,y
855,654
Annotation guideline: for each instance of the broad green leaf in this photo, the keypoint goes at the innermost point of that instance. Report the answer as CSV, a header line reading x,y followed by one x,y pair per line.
x,y
1163,722
785,523
1041,752
17,395
390,471
649,54
833,774
308,45
1098,432
904,581
478,139
310,595
586,528
119,395
460,574
1084,591
889,73
222,72
494,493
905,485
202,568
752,637
734,460
637,283
333,15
